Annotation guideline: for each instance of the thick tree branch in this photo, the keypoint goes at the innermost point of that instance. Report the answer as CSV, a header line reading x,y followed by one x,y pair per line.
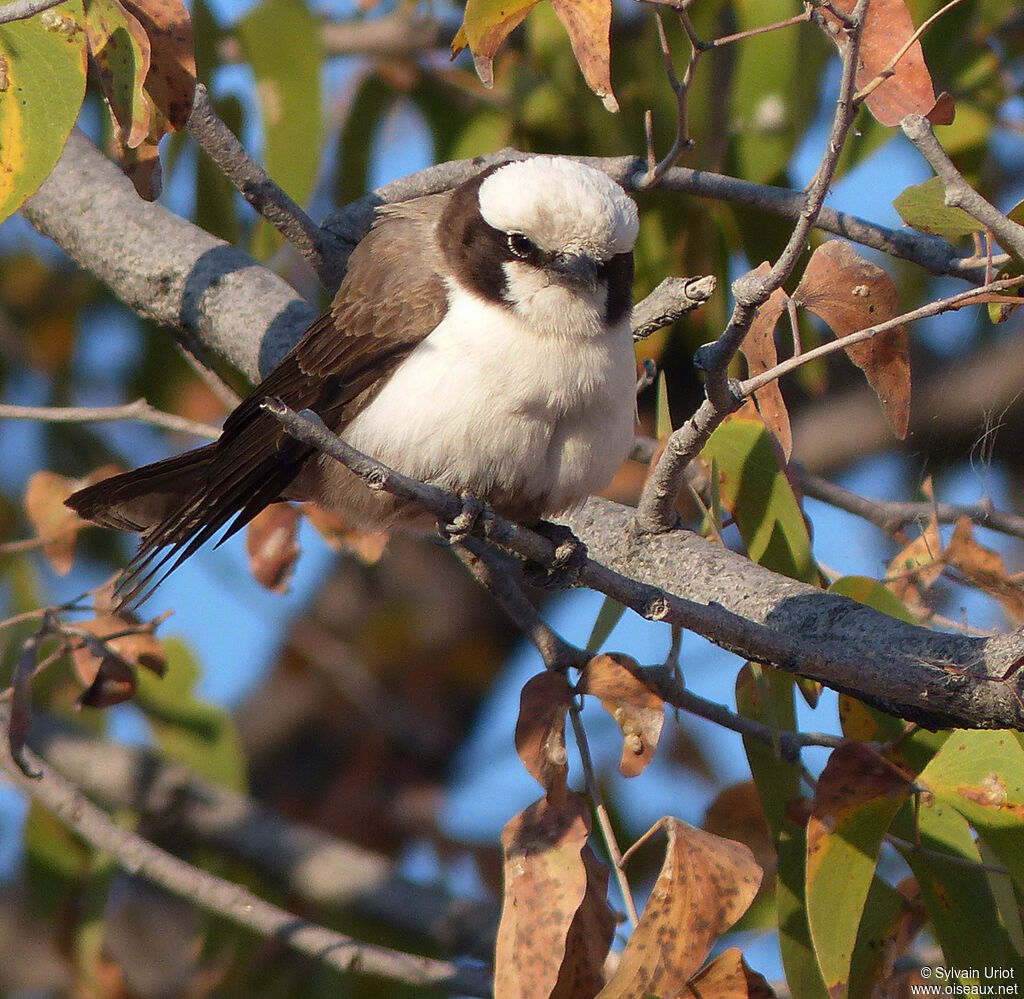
x,y
212,295
311,865
66,801
677,577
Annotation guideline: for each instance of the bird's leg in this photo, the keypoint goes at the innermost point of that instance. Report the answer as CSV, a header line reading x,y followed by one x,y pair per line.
x,y
564,570
474,513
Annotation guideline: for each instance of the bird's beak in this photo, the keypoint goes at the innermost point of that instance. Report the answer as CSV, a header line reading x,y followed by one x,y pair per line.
x,y
577,269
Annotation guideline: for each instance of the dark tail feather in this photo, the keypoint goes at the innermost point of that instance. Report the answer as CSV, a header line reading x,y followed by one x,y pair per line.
x,y
179,504
140,500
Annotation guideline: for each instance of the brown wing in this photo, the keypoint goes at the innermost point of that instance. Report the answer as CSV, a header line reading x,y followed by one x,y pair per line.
x,y
391,298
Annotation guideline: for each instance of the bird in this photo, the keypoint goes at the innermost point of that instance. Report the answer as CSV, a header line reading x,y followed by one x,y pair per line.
x,y
479,341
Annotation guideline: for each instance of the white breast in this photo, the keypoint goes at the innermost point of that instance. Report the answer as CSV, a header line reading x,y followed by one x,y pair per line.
x,y
531,422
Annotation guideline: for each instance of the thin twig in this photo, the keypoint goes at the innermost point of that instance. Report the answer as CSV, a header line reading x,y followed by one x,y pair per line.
x,y
960,194
232,901
656,510
139,410
790,743
890,515
681,89
973,296
259,189
20,10
487,568
601,811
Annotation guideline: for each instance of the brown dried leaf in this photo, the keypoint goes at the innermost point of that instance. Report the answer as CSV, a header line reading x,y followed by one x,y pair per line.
x,y
135,649
855,776
367,546
985,569
705,885
114,683
729,976
737,813
272,545
758,348
850,294
620,684
546,881
588,23
540,730
590,936
172,75
57,525
909,90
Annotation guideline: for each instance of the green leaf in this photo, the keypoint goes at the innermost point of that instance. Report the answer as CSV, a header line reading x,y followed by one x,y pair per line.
x,y
803,975
857,796
42,85
771,102
955,892
121,53
883,912
281,38
866,590
662,415
607,617
760,498
766,695
924,207
369,105
187,729
981,775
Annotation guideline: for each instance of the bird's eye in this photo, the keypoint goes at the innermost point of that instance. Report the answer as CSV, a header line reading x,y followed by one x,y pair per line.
x,y
519,245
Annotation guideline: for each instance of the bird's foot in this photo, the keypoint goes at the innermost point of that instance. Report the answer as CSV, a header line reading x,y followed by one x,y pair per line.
x,y
564,569
474,513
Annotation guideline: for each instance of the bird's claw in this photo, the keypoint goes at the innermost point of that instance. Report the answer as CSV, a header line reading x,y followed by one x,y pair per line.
x,y
564,570
474,512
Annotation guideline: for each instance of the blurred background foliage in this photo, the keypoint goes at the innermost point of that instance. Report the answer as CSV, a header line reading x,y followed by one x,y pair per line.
x,y
368,681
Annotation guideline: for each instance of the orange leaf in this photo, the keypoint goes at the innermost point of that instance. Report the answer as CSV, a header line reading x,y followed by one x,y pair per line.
x,y
621,686
546,882
985,569
272,546
367,546
705,885
887,27
737,813
485,26
114,682
589,23
855,776
540,730
758,348
55,524
920,563
729,977
850,294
